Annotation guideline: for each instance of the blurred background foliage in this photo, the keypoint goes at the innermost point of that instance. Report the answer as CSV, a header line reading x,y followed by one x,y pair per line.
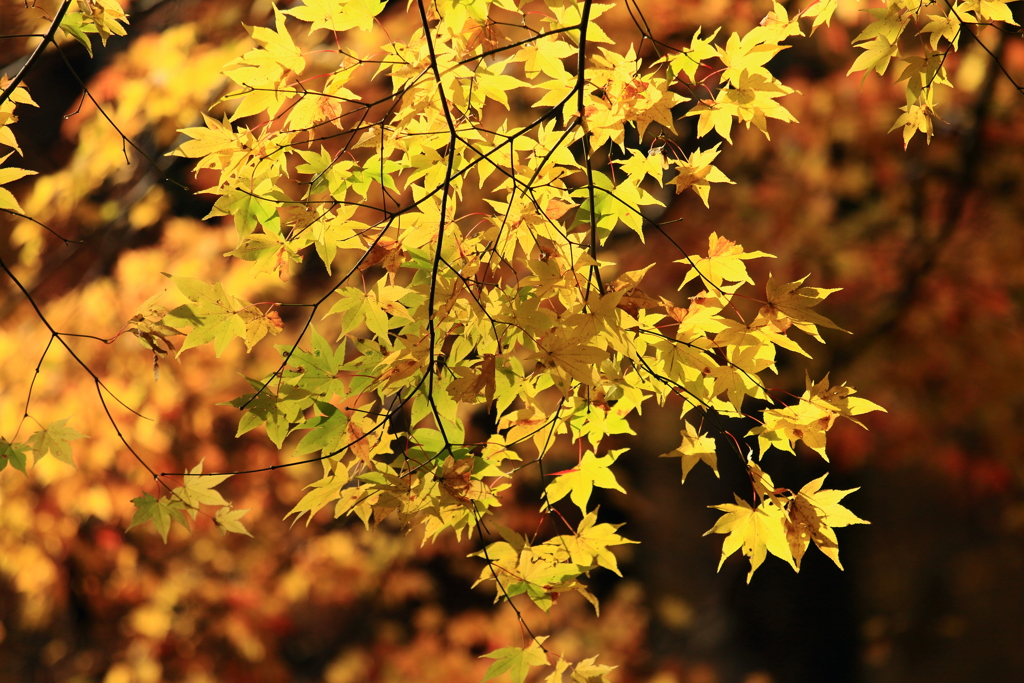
x,y
926,244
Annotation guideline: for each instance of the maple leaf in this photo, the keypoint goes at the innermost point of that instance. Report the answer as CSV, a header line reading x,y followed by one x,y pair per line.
x,y
588,671
696,447
55,439
570,358
589,545
338,15
754,531
9,175
102,17
917,117
763,485
216,139
775,27
18,96
812,515
545,56
839,398
689,60
748,55
472,381
804,421
714,115
580,481
724,263
753,99
73,24
791,304
516,661
229,520
877,54
148,327
216,316
198,490
989,10
457,483
13,453
541,574
652,105
278,45
558,675
821,11
492,83
325,432
697,173
161,512
640,165
945,26
324,491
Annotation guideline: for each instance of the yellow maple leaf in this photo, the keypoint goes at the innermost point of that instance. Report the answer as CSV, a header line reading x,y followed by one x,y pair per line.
x,y
697,173
545,56
748,54
569,358
839,398
338,15
754,531
877,54
715,116
812,515
724,263
696,447
8,202
790,305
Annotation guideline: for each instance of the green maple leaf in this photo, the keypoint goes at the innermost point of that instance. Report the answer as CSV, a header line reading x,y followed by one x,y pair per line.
x,y
213,315
13,453
580,481
160,511
55,439
516,661
325,431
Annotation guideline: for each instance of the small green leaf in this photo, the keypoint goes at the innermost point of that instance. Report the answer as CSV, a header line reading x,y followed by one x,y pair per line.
x,y
159,511
14,453
71,24
55,439
516,661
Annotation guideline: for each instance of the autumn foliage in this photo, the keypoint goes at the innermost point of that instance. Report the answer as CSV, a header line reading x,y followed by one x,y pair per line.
x,y
425,208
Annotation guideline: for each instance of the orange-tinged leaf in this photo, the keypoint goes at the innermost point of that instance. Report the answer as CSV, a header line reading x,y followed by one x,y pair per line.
x,y
724,263
812,515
